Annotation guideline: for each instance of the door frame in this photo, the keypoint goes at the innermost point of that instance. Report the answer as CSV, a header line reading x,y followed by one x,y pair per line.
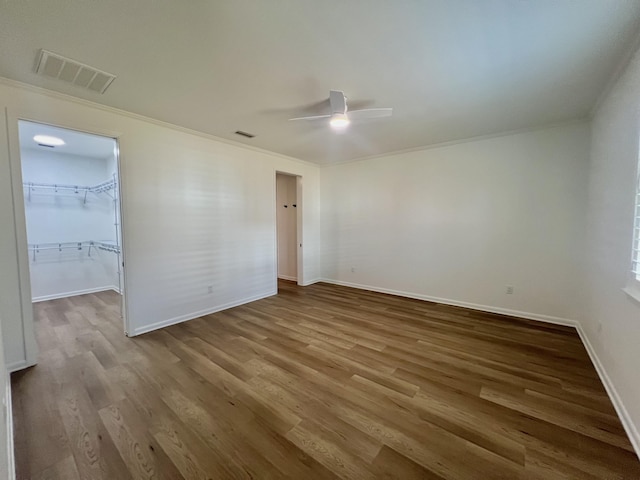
x,y
15,165
299,218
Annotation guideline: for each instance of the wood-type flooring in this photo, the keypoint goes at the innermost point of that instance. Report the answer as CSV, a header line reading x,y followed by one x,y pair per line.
x,y
318,382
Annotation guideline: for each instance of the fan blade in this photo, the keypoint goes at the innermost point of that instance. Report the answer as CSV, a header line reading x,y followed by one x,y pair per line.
x,y
315,108
337,101
358,104
315,117
370,113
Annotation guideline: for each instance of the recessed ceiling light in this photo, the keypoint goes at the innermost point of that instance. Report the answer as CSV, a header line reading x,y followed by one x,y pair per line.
x,y
48,140
339,121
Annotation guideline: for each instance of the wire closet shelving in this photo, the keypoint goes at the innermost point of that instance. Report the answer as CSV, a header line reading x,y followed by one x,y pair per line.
x,y
36,248
104,187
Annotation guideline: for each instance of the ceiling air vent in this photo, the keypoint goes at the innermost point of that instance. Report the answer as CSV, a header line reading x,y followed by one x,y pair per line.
x,y
56,66
244,134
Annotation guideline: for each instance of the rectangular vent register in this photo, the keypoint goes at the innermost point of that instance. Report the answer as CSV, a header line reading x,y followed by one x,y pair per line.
x,y
56,66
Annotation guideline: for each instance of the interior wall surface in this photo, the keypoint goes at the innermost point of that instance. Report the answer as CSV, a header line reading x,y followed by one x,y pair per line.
x,y
65,216
198,219
462,223
610,317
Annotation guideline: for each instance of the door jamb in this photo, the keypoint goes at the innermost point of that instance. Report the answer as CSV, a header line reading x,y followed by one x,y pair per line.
x,y
15,165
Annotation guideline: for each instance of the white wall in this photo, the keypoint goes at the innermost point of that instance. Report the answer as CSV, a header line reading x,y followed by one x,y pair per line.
x,y
612,177
197,212
459,223
6,433
64,216
287,226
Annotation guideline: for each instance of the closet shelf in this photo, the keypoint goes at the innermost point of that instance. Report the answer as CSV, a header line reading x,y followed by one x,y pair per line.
x,y
81,189
36,248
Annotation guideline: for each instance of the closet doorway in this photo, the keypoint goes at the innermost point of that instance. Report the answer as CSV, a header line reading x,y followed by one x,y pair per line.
x,y
72,211
289,226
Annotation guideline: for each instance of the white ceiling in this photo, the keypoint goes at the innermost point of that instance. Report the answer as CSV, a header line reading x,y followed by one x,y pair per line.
x,y
451,69
76,143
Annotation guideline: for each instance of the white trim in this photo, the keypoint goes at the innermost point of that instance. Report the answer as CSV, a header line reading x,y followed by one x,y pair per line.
x,y
450,143
61,96
623,414
311,282
17,365
633,291
456,303
288,277
28,339
55,296
201,313
616,74
87,103
11,465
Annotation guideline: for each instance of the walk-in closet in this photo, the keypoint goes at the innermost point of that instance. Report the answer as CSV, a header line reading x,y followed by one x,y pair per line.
x,y
70,183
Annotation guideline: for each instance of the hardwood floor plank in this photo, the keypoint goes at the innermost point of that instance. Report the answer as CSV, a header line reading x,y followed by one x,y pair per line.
x,y
139,450
543,467
65,469
46,441
94,453
344,464
318,382
390,464
590,423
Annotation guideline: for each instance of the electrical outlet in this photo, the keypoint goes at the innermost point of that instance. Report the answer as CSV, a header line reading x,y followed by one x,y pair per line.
x,y
509,290
210,289
353,269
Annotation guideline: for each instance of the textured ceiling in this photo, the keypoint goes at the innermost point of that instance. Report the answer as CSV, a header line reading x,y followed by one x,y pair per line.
x,y
451,69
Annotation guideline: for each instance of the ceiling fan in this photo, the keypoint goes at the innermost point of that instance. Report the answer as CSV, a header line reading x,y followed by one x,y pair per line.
x,y
340,117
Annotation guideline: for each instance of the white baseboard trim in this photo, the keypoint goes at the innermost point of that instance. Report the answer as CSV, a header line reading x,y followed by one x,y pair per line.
x,y
288,277
201,313
11,460
456,303
311,282
629,427
56,296
17,365
623,413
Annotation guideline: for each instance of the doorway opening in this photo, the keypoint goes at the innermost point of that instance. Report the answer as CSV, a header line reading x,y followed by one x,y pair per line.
x,y
72,213
289,227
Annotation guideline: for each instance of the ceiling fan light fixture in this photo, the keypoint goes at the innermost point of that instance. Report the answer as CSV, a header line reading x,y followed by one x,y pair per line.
x,y
339,121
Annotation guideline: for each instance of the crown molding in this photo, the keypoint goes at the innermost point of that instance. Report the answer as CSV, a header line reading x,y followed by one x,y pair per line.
x,y
117,111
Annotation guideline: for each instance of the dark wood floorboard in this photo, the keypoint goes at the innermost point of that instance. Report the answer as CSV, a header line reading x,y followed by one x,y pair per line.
x,y
320,382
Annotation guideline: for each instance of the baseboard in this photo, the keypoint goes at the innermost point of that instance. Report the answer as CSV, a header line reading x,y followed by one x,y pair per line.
x,y
456,303
629,427
11,460
18,365
56,296
311,282
287,277
623,413
201,313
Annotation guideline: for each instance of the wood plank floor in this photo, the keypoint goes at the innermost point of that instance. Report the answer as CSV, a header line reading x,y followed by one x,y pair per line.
x,y
317,382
